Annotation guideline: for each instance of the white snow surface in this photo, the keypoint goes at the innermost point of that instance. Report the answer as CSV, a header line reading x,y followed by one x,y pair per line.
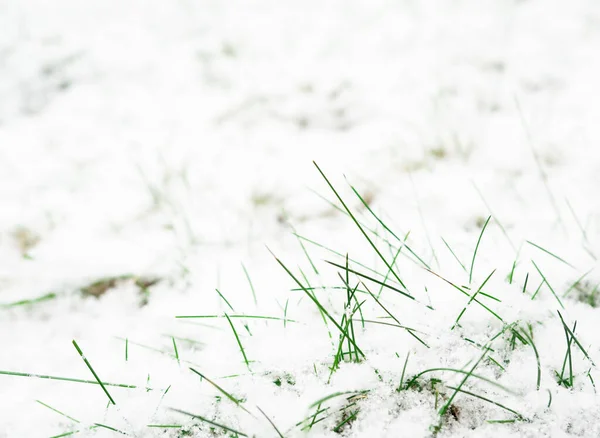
x,y
175,140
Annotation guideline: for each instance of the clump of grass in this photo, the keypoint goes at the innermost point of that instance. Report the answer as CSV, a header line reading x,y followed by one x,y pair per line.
x,y
586,292
345,325
99,287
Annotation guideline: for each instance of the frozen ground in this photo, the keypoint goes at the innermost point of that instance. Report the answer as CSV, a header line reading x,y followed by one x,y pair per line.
x,y
156,147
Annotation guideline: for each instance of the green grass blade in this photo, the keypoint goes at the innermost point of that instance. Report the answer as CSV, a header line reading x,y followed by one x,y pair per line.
x,y
550,253
104,426
495,218
403,372
270,422
574,285
446,406
239,342
206,420
548,284
466,294
477,248
222,391
316,302
58,412
165,426
471,299
454,255
480,397
537,358
93,372
409,331
65,379
383,259
575,339
268,318
175,349
250,283
385,227
374,280
46,297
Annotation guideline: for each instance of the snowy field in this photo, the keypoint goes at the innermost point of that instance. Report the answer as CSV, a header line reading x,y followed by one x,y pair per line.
x,y
438,278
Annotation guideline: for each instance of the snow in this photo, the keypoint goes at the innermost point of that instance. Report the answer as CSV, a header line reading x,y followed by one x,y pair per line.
x,y
175,140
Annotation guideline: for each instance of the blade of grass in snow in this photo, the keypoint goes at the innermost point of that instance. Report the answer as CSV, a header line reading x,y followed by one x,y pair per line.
x,y
548,284
232,309
356,262
403,327
480,397
492,382
364,233
591,380
466,294
268,318
158,405
46,297
337,394
495,217
525,283
448,403
93,372
385,227
403,372
66,379
410,332
304,250
157,350
58,412
250,283
316,302
285,318
271,422
388,271
514,266
165,426
477,248
574,285
175,350
575,339
455,256
348,326
351,417
74,432
341,210
311,292
537,358
567,383
471,300
225,300
550,253
350,294
206,420
104,426
222,391
383,284
239,342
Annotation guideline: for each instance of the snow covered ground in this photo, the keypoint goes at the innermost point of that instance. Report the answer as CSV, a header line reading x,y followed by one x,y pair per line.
x,y
150,150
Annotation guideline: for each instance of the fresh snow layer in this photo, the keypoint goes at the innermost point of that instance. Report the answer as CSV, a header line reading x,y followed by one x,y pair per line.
x,y
173,141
